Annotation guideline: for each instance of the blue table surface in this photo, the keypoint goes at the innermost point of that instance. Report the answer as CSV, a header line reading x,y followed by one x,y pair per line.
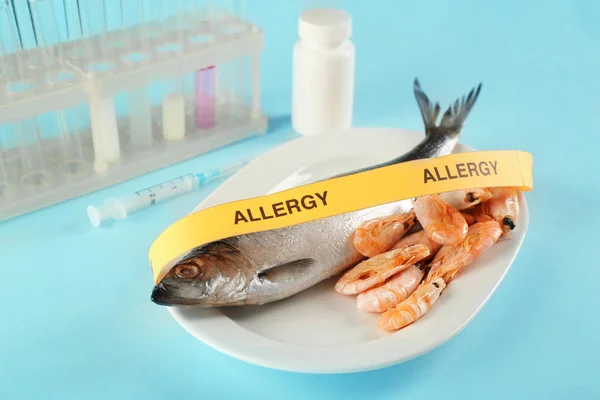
x,y
76,320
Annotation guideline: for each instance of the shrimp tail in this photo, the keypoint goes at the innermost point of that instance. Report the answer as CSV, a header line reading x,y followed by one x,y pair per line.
x,y
454,117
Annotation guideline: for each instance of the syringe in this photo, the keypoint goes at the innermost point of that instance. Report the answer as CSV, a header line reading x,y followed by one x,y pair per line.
x,y
120,208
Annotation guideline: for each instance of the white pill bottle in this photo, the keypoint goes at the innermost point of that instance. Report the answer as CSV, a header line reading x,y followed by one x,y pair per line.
x,y
323,73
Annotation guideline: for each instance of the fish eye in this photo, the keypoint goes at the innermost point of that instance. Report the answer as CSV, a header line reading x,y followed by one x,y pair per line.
x,y
471,197
187,271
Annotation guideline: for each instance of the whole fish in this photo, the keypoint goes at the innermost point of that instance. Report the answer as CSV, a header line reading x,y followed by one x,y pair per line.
x,y
268,266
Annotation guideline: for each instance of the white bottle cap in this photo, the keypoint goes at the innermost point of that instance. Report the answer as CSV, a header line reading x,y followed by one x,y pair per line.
x,y
325,26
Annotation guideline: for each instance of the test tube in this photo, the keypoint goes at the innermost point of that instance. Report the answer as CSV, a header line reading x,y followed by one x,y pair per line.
x,y
35,172
29,149
93,23
169,15
73,19
223,82
105,137
4,183
204,79
191,13
93,17
187,82
140,110
173,13
236,79
4,66
173,111
9,42
48,38
204,100
103,117
181,13
46,30
141,118
73,161
133,13
7,189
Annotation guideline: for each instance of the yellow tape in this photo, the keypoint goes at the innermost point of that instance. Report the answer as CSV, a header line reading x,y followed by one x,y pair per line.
x,y
341,195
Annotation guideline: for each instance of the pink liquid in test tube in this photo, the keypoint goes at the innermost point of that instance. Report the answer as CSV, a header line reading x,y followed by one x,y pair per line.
x,y
205,98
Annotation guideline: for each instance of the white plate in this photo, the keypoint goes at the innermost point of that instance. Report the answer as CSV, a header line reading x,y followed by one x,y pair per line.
x,y
319,330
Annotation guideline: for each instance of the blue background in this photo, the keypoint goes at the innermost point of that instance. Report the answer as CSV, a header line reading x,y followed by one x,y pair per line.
x,y
75,317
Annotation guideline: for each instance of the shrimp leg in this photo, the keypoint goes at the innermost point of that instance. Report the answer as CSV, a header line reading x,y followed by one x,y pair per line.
x,y
376,270
413,308
443,223
378,235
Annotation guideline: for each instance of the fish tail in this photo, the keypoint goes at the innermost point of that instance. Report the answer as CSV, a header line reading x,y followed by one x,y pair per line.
x,y
454,117
429,111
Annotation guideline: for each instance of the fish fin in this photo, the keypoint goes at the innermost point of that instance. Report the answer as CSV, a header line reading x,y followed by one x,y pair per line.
x,y
456,114
288,271
429,111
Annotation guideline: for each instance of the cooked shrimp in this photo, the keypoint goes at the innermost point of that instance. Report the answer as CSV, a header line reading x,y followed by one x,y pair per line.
x,y
463,199
451,260
376,270
504,206
412,308
378,235
479,213
391,293
469,218
442,222
419,237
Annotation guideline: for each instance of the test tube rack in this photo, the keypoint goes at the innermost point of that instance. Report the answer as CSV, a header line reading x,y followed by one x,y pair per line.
x,y
89,74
